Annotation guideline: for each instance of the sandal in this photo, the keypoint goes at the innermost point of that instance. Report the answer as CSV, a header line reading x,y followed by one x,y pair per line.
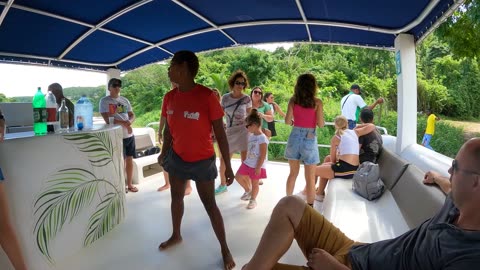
x,y
132,189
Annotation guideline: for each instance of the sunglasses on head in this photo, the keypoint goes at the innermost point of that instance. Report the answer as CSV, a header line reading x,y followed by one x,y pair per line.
x,y
456,169
240,83
257,92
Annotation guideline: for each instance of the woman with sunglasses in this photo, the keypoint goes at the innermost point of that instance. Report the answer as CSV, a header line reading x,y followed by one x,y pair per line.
x,y
263,109
236,106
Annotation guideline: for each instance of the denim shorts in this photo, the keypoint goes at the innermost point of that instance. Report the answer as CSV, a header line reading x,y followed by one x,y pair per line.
x,y
302,145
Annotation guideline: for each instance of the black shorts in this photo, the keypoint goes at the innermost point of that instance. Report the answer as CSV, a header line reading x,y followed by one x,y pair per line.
x,y
271,127
129,147
202,170
342,169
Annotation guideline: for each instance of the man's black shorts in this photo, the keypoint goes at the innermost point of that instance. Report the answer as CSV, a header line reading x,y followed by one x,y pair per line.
x,y
129,147
203,170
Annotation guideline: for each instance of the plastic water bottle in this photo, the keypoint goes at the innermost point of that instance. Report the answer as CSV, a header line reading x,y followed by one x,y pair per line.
x,y
84,111
63,115
39,113
51,112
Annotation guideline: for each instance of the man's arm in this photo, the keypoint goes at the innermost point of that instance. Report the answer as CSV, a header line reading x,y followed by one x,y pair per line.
x,y
161,126
373,105
224,150
432,178
167,144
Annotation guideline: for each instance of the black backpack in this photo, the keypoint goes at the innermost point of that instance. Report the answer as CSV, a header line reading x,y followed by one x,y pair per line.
x,y
147,152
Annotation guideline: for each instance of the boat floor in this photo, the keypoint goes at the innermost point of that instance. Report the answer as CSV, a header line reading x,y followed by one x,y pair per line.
x,y
134,243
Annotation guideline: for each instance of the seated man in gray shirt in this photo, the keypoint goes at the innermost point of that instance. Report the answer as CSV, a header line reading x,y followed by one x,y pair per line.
x,y
450,240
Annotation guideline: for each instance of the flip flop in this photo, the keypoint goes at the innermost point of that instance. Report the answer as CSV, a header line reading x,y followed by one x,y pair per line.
x,y
132,189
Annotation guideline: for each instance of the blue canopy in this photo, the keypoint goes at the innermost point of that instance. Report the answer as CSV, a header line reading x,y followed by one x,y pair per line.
x,y
128,34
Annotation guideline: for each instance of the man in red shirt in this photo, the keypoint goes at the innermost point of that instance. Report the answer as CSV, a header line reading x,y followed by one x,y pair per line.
x,y
191,111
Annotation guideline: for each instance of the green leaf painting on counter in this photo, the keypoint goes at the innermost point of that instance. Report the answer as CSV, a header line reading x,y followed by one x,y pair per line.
x,y
71,190
97,145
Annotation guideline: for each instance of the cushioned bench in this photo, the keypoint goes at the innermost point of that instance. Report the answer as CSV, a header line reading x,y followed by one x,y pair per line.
x,y
406,203
144,139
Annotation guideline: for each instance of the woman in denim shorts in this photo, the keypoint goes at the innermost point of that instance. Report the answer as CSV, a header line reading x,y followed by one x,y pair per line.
x,y
304,113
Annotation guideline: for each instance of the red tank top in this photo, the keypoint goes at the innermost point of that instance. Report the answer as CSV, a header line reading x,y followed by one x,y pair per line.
x,y
304,117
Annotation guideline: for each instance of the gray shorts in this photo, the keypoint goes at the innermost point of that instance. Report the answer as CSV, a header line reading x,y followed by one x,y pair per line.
x,y
203,170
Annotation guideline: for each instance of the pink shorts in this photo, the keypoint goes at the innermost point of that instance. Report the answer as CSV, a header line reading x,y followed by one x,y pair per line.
x,y
246,170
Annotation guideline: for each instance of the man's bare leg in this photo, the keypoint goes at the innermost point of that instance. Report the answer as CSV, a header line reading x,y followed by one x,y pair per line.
x,y
205,190
129,173
177,192
167,182
279,233
188,189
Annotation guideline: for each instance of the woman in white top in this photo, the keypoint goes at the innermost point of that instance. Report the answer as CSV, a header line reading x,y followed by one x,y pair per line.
x,y
236,106
345,141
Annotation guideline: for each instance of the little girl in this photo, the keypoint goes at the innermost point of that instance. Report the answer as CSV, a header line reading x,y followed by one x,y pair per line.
x,y
253,168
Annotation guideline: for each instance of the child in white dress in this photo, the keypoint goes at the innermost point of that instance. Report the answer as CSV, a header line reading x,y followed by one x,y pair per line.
x,y
253,168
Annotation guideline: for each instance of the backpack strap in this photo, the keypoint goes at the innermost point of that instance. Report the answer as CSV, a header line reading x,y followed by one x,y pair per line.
x,y
346,100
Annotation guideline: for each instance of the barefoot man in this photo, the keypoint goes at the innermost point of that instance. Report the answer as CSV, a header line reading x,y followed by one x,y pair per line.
x,y
191,111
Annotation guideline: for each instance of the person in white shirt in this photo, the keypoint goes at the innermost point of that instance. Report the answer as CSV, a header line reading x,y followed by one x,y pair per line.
x,y
353,103
120,108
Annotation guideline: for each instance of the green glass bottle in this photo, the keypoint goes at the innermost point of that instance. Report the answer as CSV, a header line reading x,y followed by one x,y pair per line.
x,y
39,113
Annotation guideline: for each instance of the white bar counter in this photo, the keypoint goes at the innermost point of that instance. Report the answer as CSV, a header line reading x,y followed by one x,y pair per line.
x,y
65,191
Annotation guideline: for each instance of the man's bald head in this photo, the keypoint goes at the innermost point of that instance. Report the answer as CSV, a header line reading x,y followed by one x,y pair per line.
x,y
471,150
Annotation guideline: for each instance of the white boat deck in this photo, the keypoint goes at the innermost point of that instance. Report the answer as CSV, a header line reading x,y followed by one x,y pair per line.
x,y
134,243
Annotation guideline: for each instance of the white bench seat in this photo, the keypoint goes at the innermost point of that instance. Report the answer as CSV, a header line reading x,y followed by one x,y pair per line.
x,y
144,139
362,220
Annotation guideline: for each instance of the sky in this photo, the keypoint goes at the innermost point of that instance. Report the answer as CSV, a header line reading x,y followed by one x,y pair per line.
x,y
23,80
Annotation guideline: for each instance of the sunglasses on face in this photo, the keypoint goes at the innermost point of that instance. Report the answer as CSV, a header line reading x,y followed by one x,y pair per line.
x,y
257,92
240,83
455,168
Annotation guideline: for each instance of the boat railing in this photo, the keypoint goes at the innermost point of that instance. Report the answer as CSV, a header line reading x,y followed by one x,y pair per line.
x,y
379,128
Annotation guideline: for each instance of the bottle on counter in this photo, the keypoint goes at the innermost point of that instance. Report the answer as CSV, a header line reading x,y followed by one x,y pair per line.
x,y
39,113
51,112
84,111
63,116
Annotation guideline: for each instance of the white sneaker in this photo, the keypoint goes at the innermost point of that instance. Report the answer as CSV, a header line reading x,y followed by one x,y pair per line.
x,y
246,196
252,204
319,197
